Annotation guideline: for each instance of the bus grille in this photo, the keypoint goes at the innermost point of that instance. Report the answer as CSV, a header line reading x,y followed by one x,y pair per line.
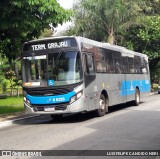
x,y
49,92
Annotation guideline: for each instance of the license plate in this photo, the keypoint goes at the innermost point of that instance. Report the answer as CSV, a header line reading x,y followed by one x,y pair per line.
x,y
49,109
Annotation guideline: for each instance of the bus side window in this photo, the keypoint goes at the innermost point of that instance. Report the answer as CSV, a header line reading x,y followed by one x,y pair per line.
x,y
137,64
131,65
117,64
147,67
109,61
125,64
100,60
144,66
89,64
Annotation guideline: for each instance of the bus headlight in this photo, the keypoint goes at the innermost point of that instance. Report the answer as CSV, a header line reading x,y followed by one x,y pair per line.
x,y
76,97
79,94
73,99
27,101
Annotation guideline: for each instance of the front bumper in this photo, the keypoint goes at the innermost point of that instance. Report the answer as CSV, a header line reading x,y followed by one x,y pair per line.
x,y
77,106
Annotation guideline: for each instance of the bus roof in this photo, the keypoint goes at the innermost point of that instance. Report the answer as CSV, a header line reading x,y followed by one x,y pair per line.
x,y
93,42
49,38
109,46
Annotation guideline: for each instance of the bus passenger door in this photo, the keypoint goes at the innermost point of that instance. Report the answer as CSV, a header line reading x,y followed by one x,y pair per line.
x,y
89,78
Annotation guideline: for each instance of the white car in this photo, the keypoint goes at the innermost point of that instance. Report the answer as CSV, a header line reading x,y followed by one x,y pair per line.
x,y
159,89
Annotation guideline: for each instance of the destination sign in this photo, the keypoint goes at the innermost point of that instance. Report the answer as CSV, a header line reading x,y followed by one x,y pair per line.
x,y
49,44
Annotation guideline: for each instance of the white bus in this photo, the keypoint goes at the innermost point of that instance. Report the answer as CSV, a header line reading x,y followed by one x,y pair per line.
x,y
64,75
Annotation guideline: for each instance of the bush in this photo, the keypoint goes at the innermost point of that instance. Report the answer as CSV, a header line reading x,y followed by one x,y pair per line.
x,y
3,96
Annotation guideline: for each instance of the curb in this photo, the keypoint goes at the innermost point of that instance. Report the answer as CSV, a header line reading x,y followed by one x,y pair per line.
x,y
11,122
152,93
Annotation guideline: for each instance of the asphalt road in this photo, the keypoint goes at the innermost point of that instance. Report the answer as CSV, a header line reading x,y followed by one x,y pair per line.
x,y
125,127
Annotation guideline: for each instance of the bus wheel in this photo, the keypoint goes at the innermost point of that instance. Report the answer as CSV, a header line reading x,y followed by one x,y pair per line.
x,y
101,111
137,98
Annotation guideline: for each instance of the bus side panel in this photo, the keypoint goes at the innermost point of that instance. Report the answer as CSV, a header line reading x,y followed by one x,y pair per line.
x,y
91,95
119,87
109,83
93,91
133,81
114,86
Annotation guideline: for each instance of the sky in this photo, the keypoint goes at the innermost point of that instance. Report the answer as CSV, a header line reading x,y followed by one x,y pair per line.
x,y
67,4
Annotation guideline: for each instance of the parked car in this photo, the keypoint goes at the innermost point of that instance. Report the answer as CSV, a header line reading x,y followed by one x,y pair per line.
x,y
2,96
159,88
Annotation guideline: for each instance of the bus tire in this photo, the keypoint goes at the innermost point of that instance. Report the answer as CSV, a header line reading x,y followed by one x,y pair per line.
x,y
101,111
137,98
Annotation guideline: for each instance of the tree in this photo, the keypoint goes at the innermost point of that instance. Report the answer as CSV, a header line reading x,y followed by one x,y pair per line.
x,y
155,70
146,40
103,19
151,7
46,33
133,24
9,77
9,74
151,37
25,20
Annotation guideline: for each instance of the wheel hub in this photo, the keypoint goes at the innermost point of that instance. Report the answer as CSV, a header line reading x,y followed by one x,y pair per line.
x,y
102,104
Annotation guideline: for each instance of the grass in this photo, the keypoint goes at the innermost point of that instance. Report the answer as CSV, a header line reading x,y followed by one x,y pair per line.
x,y
11,105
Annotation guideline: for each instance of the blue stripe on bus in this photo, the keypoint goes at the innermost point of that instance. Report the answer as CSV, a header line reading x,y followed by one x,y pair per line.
x,y
50,99
129,87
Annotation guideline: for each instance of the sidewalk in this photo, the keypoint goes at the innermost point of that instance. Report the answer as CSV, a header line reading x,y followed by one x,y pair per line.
x,y
12,116
9,119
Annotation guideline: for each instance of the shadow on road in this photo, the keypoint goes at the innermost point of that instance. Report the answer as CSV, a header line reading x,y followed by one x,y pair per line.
x,y
74,118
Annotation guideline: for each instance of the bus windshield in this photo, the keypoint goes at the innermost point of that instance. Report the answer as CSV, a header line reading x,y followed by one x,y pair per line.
x,y
53,69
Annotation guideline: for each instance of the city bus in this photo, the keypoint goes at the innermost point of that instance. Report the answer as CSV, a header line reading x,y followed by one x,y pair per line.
x,y
66,75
